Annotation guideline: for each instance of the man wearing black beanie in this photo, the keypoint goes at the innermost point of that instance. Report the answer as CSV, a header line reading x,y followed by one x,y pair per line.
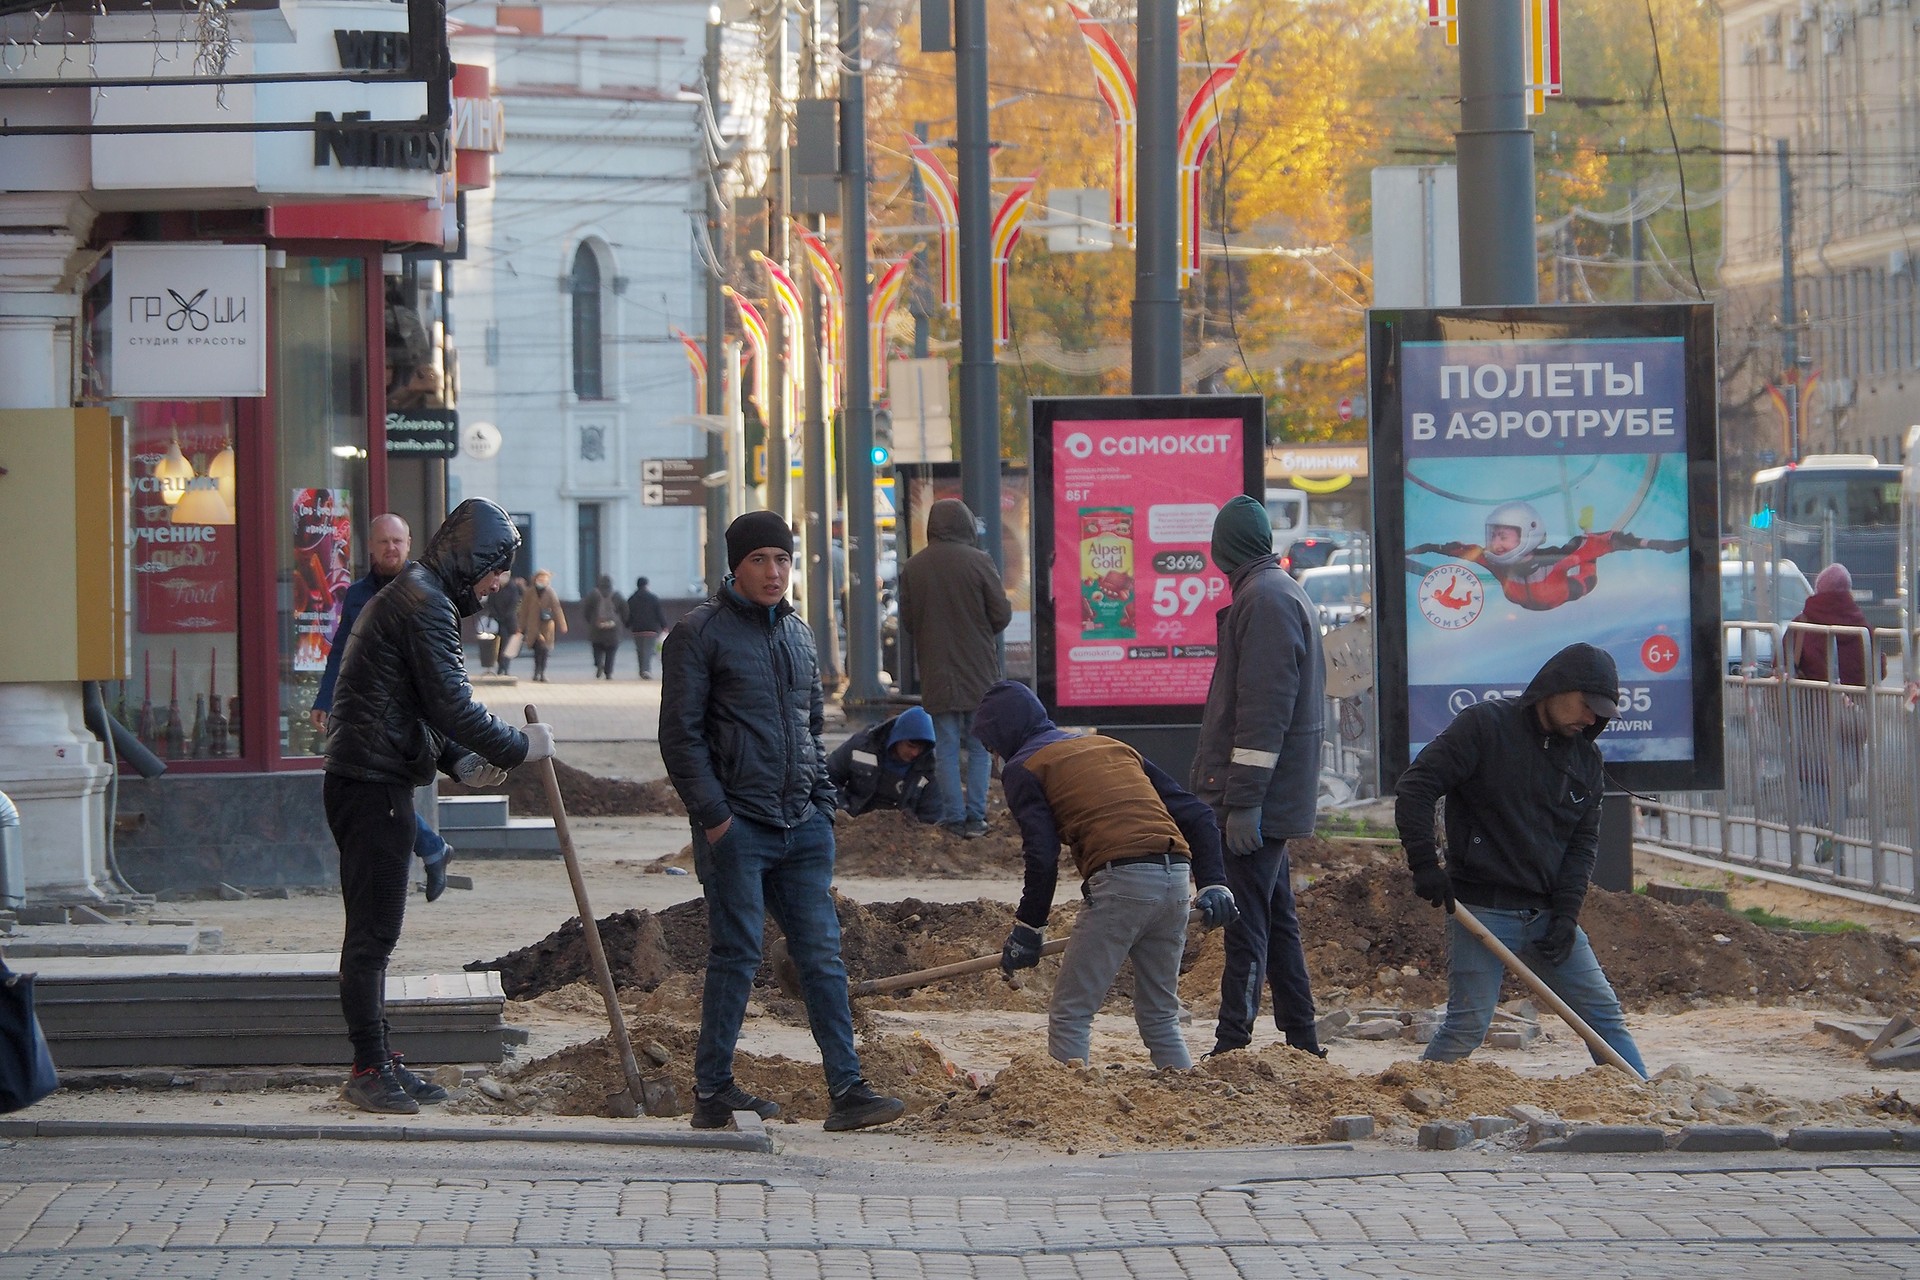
x,y
741,712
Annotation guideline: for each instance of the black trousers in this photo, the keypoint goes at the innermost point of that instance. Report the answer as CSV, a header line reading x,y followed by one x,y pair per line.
x,y
372,823
1263,946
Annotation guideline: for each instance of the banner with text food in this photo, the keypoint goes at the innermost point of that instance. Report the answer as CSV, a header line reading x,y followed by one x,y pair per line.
x,y
1126,491
1539,486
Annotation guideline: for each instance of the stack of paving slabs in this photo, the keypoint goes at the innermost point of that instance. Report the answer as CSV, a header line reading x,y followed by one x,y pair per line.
x,y
258,1010
1898,1044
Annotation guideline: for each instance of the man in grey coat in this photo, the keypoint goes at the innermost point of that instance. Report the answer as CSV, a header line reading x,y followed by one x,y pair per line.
x,y
953,604
1258,765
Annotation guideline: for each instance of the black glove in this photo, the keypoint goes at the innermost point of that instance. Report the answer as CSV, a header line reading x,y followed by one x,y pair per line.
x,y
1243,831
1216,906
1557,947
1023,948
1432,883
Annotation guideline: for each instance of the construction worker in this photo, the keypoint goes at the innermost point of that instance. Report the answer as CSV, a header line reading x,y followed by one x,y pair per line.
x,y
1139,841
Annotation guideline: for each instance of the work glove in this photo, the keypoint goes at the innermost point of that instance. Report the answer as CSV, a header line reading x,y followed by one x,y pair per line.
x,y
1023,948
539,742
1243,831
1432,883
475,772
1216,907
1557,947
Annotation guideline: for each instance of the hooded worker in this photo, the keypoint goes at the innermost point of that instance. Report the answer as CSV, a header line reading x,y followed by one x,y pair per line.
x,y
1522,779
1258,765
889,766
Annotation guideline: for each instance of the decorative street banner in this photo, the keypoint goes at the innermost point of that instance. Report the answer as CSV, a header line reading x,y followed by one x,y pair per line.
x,y
1127,592
1540,482
322,571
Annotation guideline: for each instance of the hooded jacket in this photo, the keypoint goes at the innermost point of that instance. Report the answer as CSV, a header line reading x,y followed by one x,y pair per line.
x,y
1093,792
741,713
605,612
953,604
1261,732
1523,803
1833,606
402,705
644,615
868,775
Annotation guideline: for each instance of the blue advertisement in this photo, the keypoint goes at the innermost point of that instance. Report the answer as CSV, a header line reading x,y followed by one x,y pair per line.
x,y
1546,501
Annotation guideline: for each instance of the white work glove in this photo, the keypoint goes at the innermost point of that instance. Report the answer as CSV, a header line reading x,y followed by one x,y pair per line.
x,y
539,741
475,772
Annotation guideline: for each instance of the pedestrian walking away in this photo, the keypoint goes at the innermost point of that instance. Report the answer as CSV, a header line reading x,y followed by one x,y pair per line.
x,y
888,766
1522,779
1832,719
646,620
741,712
402,710
542,621
1140,842
606,615
504,608
391,543
954,606
1258,765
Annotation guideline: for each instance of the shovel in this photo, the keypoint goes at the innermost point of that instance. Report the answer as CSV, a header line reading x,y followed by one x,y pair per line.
x,y
961,968
1541,989
656,1097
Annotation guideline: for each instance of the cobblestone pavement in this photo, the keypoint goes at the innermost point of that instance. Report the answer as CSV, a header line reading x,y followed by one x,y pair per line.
x,y
1851,1220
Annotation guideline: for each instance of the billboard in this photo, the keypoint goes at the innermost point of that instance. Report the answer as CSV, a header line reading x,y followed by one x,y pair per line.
x,y
1125,588
1546,475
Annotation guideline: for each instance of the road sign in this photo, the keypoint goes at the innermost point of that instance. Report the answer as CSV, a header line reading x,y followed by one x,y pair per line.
x,y
672,482
1346,408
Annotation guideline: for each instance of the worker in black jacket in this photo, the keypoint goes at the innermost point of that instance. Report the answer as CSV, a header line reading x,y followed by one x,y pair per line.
x,y
401,709
888,766
1522,780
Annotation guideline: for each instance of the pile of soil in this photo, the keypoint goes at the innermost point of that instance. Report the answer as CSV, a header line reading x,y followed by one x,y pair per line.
x,y
585,795
889,844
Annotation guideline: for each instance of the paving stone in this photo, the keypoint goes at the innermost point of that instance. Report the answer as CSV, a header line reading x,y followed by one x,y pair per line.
x,y
1350,1128
1726,1137
1596,1139
1375,1029
1445,1135
1835,1139
1487,1126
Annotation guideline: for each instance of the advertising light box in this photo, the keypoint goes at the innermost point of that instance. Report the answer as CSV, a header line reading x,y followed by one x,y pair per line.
x,y
1126,489
1546,476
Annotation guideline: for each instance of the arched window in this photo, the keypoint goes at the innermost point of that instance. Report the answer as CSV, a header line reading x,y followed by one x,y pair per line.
x,y
584,285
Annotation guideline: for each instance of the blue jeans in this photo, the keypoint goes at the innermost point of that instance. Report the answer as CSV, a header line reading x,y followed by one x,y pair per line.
x,y
755,871
1475,973
1263,946
951,731
1137,912
426,841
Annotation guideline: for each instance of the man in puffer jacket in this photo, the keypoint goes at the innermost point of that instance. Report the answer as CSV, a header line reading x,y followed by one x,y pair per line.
x,y
1258,765
740,718
1140,842
1522,781
889,766
401,710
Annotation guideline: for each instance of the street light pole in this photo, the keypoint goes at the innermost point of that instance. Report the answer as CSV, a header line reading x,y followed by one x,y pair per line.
x,y
1789,312
863,587
718,437
1498,264
979,375
1156,272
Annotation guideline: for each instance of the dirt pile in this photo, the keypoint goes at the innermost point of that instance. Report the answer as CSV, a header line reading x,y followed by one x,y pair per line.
x,y
585,795
888,844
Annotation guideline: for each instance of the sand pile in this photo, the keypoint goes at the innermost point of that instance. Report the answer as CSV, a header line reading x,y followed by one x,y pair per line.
x,y
585,795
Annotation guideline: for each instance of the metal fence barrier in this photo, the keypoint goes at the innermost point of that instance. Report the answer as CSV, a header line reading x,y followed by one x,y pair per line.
x,y
1819,774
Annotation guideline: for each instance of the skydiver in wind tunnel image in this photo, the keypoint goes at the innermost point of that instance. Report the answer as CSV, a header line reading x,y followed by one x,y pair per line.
x,y
1534,576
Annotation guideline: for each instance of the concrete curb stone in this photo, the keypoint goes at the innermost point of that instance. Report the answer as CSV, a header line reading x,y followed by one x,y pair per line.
x,y
1812,1139
1598,1139
752,1137
1726,1137
1445,1135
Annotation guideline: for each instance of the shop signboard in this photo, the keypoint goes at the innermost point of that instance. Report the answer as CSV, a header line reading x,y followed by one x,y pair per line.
x,y
322,570
1127,591
423,433
1546,476
189,321
184,575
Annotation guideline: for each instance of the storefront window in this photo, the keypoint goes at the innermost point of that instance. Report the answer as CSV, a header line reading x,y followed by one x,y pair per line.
x,y
183,700
320,503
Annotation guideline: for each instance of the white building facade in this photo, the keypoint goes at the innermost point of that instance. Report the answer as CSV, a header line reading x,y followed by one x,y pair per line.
x,y
580,268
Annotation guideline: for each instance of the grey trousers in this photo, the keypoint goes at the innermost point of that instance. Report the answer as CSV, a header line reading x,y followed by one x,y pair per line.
x,y
1136,912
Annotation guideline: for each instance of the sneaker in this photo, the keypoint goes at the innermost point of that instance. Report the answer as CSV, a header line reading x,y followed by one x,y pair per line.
x,y
955,829
379,1089
975,828
717,1111
1310,1046
437,874
1823,850
861,1108
421,1090
1222,1048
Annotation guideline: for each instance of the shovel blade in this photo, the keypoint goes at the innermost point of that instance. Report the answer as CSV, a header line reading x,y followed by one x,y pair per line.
x,y
621,1104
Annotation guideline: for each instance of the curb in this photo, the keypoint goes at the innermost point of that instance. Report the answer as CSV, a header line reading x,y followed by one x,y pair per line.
x,y
750,1137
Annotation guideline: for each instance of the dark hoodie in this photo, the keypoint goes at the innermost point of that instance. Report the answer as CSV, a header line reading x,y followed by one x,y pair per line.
x,y
1834,607
953,604
1523,803
1093,792
868,775
403,704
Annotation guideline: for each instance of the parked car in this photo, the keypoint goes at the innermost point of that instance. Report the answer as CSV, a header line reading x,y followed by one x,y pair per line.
x,y
1749,592
1341,592
1312,548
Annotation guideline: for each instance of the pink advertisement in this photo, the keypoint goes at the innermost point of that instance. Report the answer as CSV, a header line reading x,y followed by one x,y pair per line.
x,y
322,571
1134,586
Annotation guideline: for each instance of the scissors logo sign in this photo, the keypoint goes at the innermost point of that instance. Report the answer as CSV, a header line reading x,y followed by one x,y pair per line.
x,y
187,312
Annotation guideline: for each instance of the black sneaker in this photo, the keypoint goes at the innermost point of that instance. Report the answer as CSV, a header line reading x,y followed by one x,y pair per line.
x,y
379,1089
437,874
420,1089
1222,1048
954,829
1310,1046
717,1112
861,1108
975,828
